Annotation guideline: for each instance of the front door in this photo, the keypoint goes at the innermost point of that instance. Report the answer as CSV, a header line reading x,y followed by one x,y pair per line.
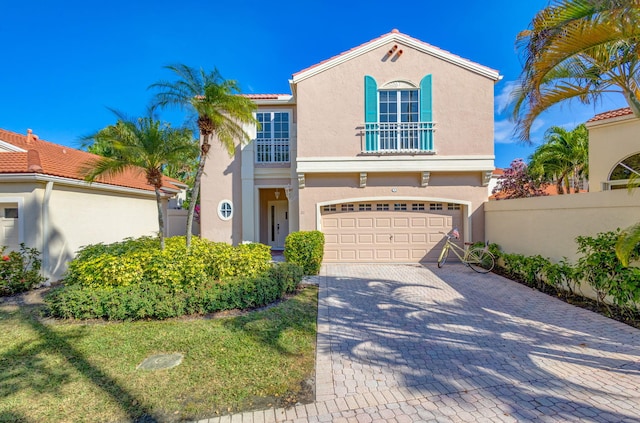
x,y
278,223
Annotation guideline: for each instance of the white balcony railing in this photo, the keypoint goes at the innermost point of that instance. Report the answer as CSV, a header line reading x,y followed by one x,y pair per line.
x,y
272,150
399,137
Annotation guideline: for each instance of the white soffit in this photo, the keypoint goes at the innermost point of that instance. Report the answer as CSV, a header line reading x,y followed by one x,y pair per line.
x,y
405,40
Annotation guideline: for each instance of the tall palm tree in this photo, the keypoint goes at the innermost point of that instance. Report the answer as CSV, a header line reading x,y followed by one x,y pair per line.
x,y
217,107
563,157
143,144
578,49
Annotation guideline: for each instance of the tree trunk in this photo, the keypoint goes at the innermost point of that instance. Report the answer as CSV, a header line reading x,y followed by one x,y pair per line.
x,y
204,152
160,218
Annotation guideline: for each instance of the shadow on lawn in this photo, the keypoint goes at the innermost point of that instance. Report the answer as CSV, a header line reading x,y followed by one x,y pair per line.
x,y
29,369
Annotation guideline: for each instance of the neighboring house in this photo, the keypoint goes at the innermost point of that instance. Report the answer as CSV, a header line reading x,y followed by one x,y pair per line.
x,y
614,149
46,204
384,148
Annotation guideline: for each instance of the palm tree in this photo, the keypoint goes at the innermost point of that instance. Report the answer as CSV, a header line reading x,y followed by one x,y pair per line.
x,y
145,145
563,157
217,107
578,49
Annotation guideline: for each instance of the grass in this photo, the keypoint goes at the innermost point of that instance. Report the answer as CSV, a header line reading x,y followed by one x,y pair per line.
x,y
72,372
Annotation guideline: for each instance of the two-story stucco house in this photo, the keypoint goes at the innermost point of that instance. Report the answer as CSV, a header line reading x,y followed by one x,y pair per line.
x,y
384,148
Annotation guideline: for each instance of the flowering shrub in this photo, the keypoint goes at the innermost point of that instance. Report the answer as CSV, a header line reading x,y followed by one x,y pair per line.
x,y
134,261
19,270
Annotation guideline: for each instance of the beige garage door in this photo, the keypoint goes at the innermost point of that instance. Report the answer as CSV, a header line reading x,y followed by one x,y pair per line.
x,y
9,226
387,232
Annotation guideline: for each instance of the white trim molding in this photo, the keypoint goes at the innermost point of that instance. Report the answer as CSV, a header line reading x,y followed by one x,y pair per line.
x,y
395,164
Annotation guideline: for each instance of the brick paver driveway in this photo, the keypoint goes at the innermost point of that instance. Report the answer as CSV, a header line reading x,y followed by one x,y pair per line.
x,y
412,343
415,343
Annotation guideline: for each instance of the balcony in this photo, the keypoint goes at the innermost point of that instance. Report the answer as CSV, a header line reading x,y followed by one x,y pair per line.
x,y
272,150
399,137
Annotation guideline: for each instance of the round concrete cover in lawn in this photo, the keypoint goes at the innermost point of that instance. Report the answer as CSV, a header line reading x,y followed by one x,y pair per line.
x,y
161,361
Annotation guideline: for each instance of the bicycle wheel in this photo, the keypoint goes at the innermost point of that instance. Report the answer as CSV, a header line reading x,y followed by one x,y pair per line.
x,y
480,260
443,256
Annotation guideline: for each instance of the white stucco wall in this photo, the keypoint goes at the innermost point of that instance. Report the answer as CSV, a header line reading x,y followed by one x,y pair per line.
x,y
76,217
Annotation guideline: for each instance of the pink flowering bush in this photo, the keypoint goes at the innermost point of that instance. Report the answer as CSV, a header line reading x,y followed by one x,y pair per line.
x,y
19,270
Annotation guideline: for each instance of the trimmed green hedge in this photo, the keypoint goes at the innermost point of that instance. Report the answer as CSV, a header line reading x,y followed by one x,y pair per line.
x,y
135,261
148,300
305,248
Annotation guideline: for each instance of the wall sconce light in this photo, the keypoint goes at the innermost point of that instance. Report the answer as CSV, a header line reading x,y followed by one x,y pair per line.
x,y
277,193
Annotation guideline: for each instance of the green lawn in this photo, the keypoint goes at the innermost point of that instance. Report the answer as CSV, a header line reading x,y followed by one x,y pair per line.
x,y
78,372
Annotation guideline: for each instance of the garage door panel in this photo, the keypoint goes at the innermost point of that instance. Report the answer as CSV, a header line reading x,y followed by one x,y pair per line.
x,y
402,222
383,223
383,238
348,238
402,255
330,222
387,236
419,238
419,222
366,255
383,254
365,223
347,223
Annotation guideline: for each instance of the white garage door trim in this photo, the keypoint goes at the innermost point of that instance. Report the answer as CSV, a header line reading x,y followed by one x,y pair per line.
x,y
465,205
20,202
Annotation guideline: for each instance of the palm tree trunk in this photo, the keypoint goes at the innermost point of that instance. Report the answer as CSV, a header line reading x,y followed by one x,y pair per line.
x,y
196,187
160,218
633,101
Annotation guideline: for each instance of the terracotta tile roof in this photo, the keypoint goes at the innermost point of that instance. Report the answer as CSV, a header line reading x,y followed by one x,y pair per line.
x,y
548,190
394,31
265,96
611,114
57,160
498,172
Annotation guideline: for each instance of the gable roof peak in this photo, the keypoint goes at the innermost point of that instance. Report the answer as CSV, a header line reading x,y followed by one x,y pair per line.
x,y
397,36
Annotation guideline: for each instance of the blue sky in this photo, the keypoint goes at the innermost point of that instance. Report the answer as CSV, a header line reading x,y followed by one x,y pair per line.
x,y
65,62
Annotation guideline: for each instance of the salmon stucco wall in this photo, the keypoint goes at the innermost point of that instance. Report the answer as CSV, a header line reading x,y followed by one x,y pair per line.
x,y
331,104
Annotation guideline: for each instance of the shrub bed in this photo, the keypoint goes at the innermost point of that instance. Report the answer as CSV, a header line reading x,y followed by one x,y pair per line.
x,y
148,300
598,266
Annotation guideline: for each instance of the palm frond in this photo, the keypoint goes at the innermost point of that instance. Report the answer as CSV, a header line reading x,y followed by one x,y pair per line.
x,y
627,243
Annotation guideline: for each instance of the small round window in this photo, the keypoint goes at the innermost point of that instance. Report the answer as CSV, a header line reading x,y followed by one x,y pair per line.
x,y
225,210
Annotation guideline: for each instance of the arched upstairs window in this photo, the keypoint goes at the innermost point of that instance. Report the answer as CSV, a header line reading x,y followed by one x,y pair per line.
x,y
623,171
398,116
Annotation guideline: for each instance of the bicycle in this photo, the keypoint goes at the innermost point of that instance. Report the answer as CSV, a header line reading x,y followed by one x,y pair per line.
x,y
478,259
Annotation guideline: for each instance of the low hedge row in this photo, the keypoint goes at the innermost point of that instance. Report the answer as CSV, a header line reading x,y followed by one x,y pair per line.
x,y
148,300
135,261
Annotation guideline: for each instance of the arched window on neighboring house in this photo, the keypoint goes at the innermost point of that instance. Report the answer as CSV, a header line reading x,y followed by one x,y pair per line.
x,y
623,171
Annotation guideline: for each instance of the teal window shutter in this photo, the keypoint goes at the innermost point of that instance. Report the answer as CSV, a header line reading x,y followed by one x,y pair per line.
x,y
426,114
371,113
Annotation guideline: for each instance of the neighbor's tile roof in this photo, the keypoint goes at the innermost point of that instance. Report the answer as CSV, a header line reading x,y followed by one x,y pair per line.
x,y
57,160
266,96
611,114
